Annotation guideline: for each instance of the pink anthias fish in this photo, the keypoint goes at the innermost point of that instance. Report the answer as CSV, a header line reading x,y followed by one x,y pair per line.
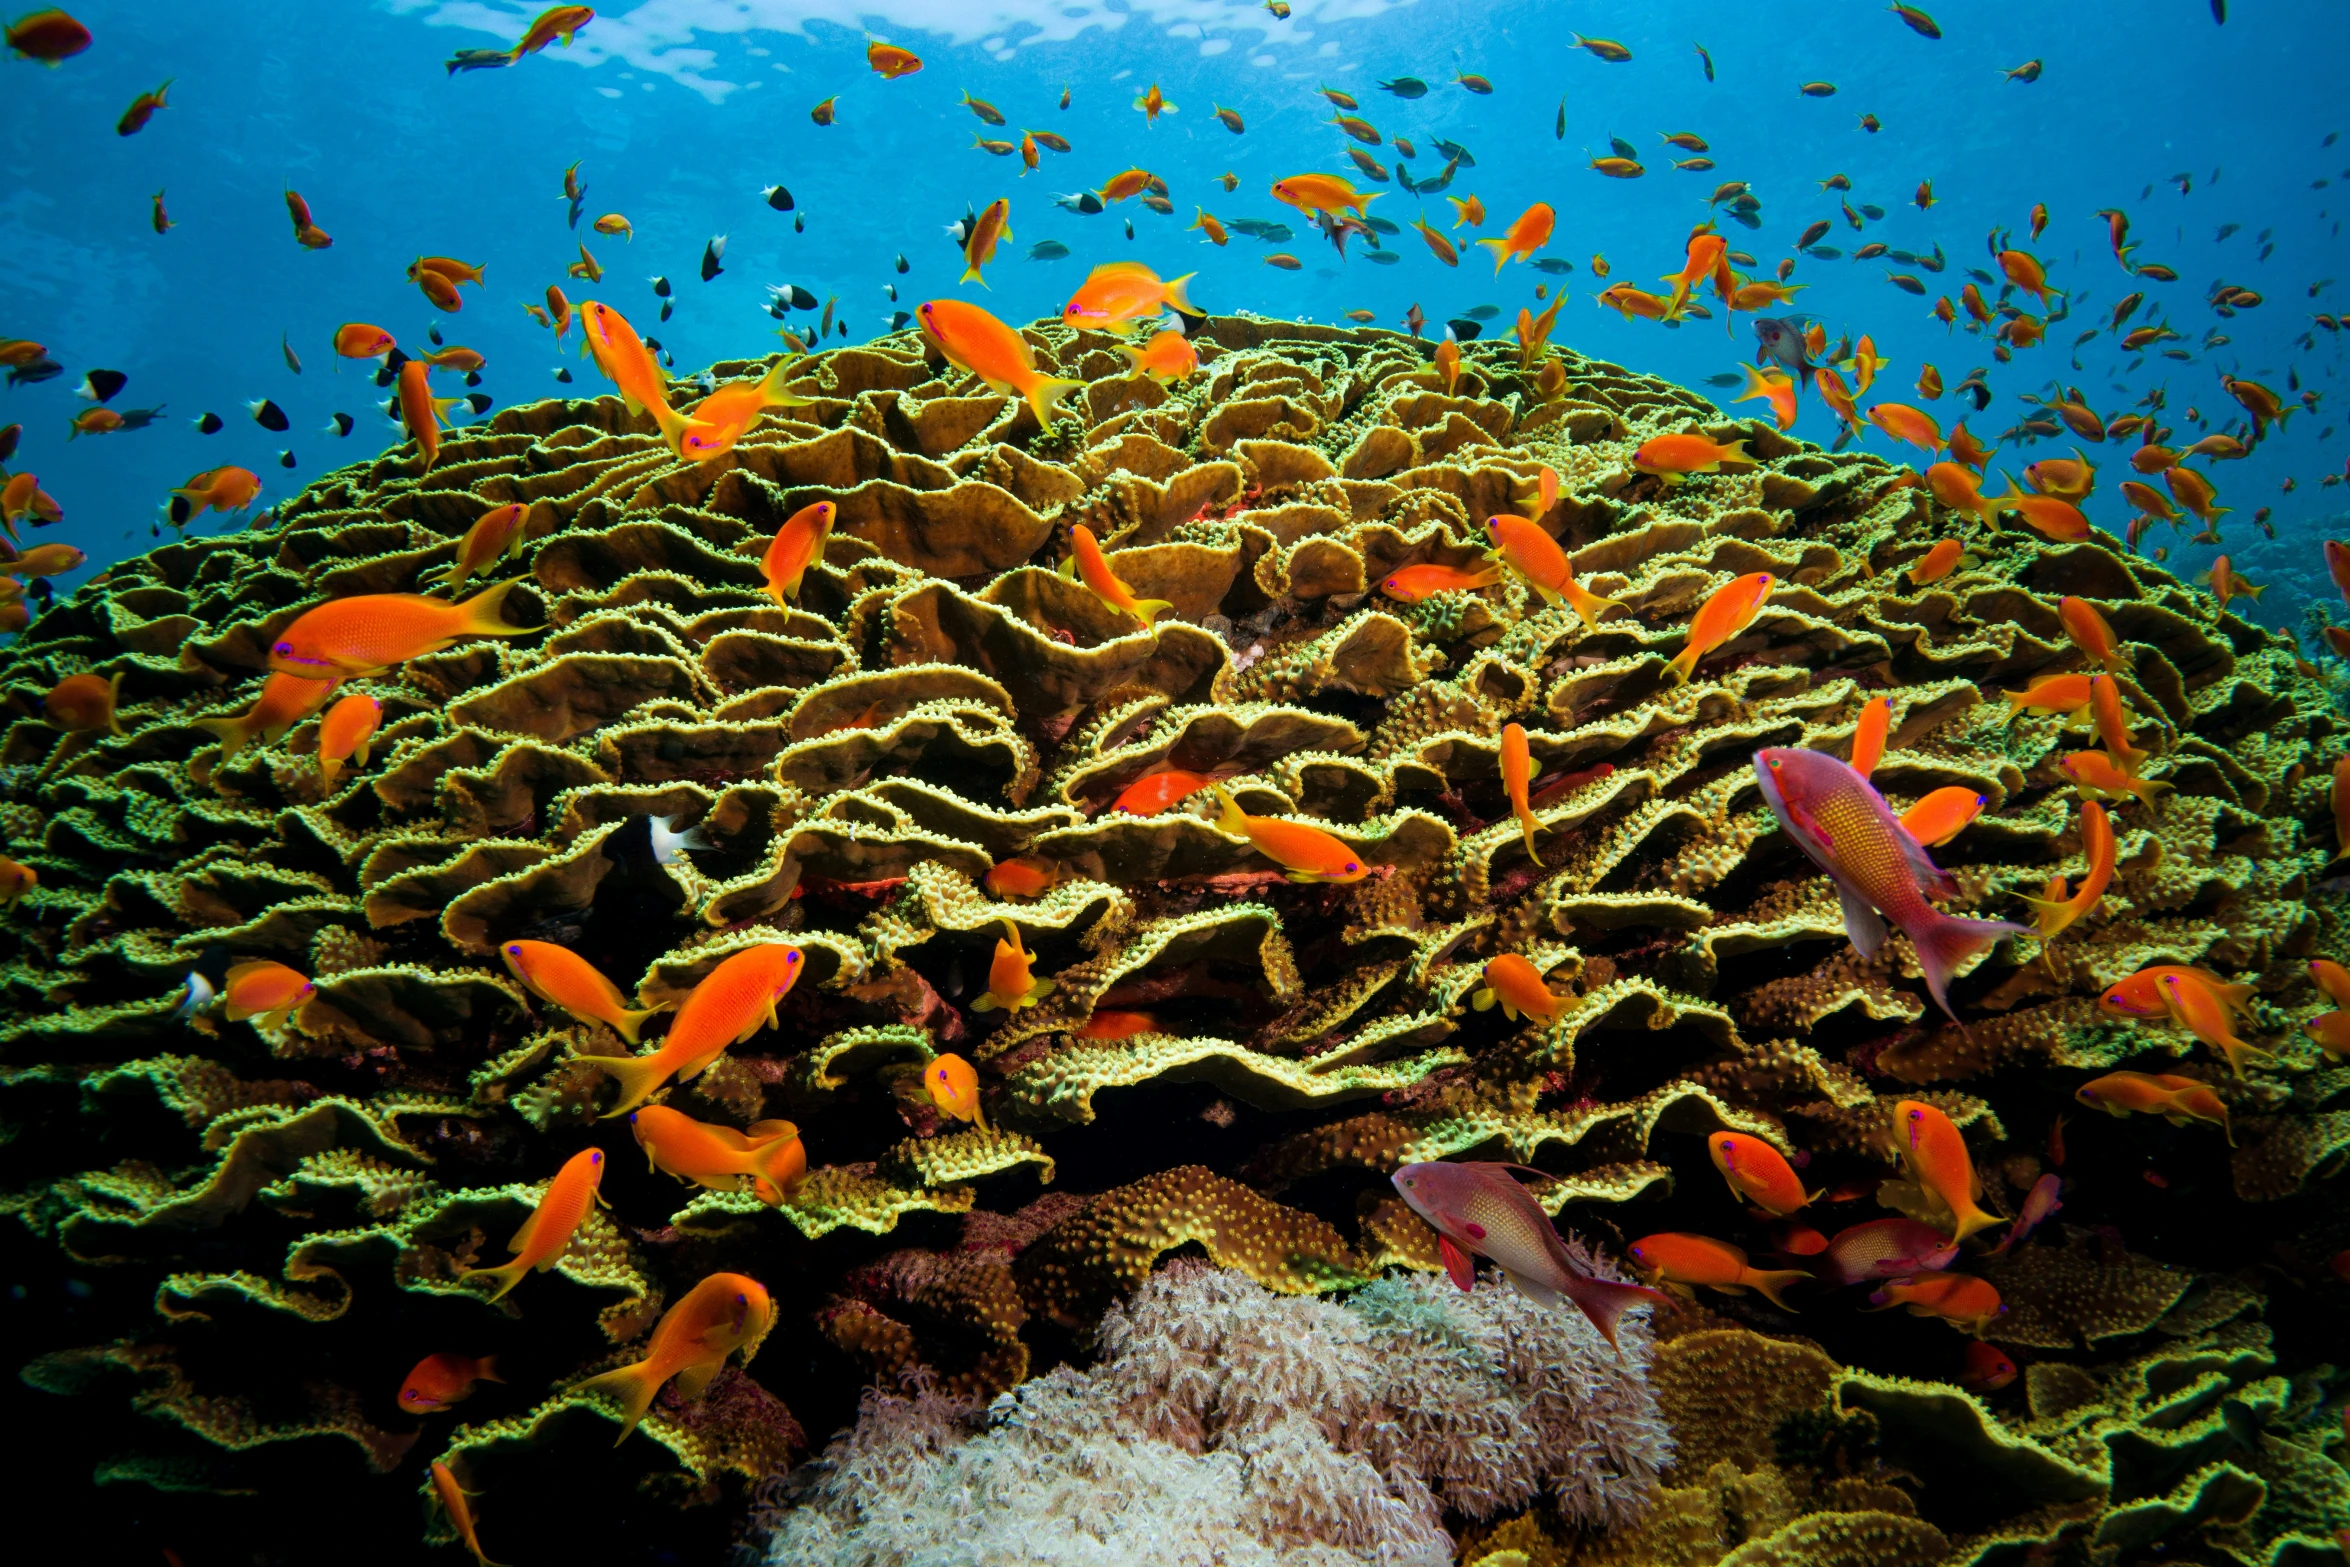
x,y
1883,1249
1480,1208
2042,1202
1837,818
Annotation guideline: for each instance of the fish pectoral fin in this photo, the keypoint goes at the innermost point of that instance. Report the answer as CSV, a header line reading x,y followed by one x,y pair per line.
x,y
1459,1266
1539,1293
694,1381
1861,921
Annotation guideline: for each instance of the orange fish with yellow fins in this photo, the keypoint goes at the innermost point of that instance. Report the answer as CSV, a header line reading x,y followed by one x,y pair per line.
x,y
547,1233
768,1160
1087,564
1010,985
1758,1173
733,1002
1517,986
975,341
725,1314
1307,854
562,978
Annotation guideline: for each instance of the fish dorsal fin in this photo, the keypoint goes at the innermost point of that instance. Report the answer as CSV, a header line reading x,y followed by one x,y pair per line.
x,y
1933,877
1125,269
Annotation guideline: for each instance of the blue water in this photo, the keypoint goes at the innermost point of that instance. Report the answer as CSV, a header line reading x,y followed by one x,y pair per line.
x,y
680,111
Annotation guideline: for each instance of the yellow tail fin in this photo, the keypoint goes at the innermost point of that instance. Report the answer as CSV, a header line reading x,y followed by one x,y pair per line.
x,y
1044,396
639,1078
481,612
1772,1280
507,1276
631,1387
1151,609
1229,816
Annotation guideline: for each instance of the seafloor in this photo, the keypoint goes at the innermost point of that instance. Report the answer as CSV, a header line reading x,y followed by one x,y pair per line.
x,y
271,1219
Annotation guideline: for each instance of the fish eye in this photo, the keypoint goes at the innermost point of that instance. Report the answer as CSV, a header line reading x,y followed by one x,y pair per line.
x,y
284,649
598,1156
1352,867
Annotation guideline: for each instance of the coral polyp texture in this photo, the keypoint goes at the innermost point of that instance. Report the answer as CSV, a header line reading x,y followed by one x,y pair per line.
x,y
1229,1059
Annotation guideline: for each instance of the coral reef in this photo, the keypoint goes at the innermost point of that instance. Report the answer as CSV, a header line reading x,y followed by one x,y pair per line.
x,y
1227,1059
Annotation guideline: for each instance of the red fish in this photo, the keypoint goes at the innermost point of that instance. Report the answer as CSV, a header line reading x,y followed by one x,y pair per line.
x,y
439,1381
1935,1154
1010,985
1481,1210
1156,792
1883,1249
1517,771
798,544
1087,564
1411,584
1965,1302
954,1086
2041,1203
1942,815
1846,828
371,632
452,1499
562,978
1985,1369
1308,854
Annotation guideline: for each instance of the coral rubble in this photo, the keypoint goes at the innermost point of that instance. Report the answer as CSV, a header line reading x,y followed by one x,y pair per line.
x,y
861,763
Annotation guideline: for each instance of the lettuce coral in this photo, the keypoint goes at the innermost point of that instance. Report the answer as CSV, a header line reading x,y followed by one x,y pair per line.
x,y
930,744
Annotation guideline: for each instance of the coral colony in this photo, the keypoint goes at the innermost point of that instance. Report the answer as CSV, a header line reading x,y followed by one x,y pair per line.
x,y
896,865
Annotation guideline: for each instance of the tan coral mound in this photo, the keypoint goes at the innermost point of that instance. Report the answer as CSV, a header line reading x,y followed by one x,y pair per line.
x,y
937,702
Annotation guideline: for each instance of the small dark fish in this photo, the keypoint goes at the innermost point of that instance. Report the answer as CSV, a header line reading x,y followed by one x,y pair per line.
x,y
777,197
1559,131
1818,89
340,424
1827,252
1482,312
1705,59
1476,84
1725,378
799,298
667,306
8,439
661,288
2219,12
564,376
1048,250
799,223
478,60
1381,258
1813,234
1406,87
903,268
1554,265
1906,283
1919,22
1456,152
1442,181
1873,213
208,424
285,459
1981,276
432,332
2225,229
1084,202
1129,228
898,320
1464,329
712,254
1935,262
140,418
99,386
268,415
479,402
286,346
1403,177
1382,225
1871,124
1905,257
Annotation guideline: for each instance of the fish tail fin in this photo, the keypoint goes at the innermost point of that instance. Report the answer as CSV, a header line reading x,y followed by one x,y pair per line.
x,y
1229,816
1177,300
1151,609
779,1165
507,1276
1971,1219
628,1023
486,1369
1605,1303
1044,396
971,275
2047,912
2145,790
235,734
771,390
481,612
1944,941
631,1387
1501,252
1683,666
1772,1280
638,1077
1037,991
2255,592
1526,826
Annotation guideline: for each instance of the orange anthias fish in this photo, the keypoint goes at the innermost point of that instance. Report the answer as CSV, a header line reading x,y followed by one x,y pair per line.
x,y
2057,913
724,1313
625,361
1911,425
1729,611
1868,736
973,340
1676,1258
1965,1302
1758,1173
1772,387
1846,829
371,632
1517,986
2140,996
2176,1099
726,415
439,1381
344,733
423,413
2225,584
1672,456
1517,773
219,489
1985,1368
2333,979
733,1002
452,1498
1020,879
2094,776
1087,564
359,340
83,703
546,1234
1156,792
2049,515
2024,270
1120,296
1411,584
954,1087
285,700
2090,634
993,225
1705,252
2066,478
1534,555
1308,854
768,1160
562,978
798,544
1113,1026
263,990
1010,986
1942,559
1312,193
1956,487
1942,815
1152,104
2198,1008
1168,357
497,534
1529,233
1481,1210
889,62
1936,1157
2113,724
